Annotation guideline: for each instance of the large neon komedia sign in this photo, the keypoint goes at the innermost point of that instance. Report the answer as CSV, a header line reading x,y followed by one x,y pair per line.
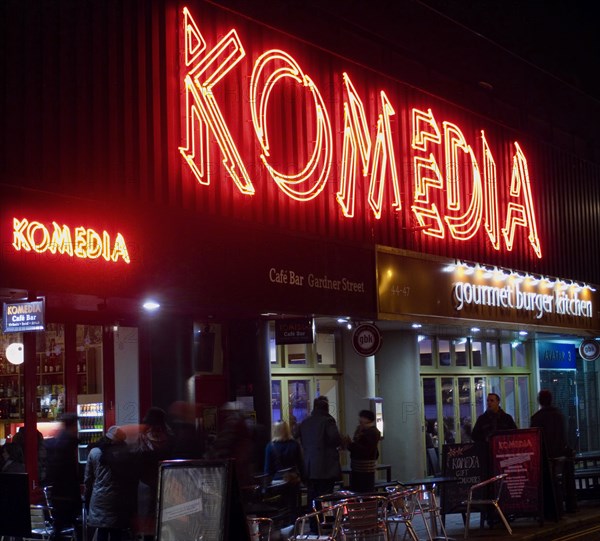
x,y
454,192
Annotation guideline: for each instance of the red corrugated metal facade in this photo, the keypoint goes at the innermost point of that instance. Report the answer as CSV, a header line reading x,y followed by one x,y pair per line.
x,y
94,107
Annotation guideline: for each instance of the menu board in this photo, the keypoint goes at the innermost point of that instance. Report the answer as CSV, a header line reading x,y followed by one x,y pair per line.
x,y
468,462
518,454
199,500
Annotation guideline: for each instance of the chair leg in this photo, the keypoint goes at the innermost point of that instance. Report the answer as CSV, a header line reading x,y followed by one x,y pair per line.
x,y
509,529
468,520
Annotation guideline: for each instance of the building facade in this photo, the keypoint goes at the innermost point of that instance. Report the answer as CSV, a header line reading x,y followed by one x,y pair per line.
x,y
249,167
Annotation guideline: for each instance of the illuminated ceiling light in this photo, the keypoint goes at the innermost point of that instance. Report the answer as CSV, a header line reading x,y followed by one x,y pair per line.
x,y
342,320
475,329
515,345
420,338
349,326
416,325
15,353
151,305
523,333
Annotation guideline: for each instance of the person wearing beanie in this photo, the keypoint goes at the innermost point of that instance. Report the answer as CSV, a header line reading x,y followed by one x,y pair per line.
x,y
364,453
110,486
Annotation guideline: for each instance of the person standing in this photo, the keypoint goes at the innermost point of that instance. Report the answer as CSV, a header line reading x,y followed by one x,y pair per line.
x,y
552,423
63,476
492,420
554,437
283,452
364,453
110,486
321,441
12,459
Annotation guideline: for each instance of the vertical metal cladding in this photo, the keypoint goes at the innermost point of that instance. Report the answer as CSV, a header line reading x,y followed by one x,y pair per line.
x,y
94,109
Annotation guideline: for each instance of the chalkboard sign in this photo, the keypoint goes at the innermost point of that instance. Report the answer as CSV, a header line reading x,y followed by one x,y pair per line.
x,y
469,463
15,518
199,500
518,454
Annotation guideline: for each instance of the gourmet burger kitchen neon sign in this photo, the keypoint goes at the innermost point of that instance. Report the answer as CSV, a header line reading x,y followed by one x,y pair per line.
x,y
438,148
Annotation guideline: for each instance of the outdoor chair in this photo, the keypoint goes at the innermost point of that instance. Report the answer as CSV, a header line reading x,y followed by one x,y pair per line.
x,y
364,517
400,512
260,528
327,520
496,483
65,533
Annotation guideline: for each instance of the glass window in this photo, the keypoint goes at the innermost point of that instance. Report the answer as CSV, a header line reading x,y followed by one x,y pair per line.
x,y
485,354
444,352
50,350
89,359
272,350
524,404
460,352
519,351
326,349
509,401
299,399
480,396
296,354
491,354
448,428
464,398
506,354
425,351
276,406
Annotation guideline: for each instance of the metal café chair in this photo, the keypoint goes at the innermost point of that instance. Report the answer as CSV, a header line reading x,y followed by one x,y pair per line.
x,y
260,528
327,530
401,511
364,517
492,501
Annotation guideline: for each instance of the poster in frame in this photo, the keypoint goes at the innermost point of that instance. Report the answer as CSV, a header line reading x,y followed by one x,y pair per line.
x,y
198,500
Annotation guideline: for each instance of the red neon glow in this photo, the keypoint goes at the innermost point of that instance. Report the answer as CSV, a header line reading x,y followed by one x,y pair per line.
x,y
466,226
454,198
202,110
522,214
357,142
269,69
84,243
490,194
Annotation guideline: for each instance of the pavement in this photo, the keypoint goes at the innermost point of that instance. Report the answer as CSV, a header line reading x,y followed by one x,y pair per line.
x,y
583,525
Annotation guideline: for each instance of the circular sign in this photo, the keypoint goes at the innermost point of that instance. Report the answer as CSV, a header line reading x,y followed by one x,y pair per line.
x,y
589,349
366,339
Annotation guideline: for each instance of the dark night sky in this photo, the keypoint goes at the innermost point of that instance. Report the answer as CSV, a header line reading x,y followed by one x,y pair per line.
x,y
560,36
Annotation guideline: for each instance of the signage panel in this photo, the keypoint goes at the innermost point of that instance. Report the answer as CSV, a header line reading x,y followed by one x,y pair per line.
x,y
518,454
294,331
468,462
557,356
366,339
23,316
410,285
589,349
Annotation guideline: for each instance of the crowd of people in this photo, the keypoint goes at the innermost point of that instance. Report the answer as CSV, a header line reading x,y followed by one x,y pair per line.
x,y
120,481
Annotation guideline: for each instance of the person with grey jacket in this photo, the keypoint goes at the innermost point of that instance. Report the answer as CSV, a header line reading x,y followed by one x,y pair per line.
x,y
321,443
110,484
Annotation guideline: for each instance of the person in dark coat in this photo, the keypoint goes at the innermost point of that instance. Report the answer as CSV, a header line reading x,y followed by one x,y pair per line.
x,y
63,476
321,442
110,485
12,459
492,420
364,453
552,423
283,452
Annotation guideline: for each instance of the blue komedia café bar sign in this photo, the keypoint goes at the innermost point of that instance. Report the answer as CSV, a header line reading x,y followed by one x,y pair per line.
x,y
23,316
